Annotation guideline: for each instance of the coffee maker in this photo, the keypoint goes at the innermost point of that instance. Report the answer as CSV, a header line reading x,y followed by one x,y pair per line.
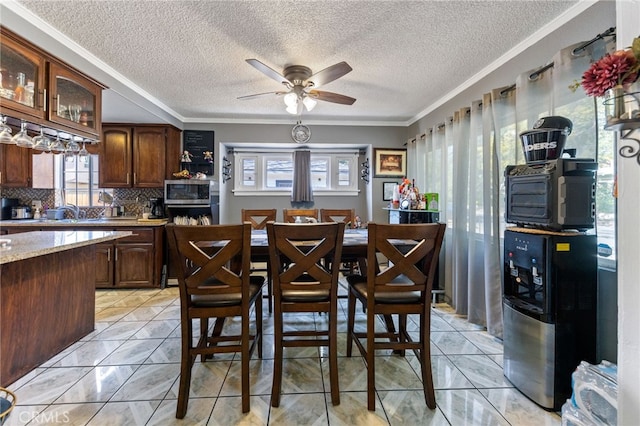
x,y
156,206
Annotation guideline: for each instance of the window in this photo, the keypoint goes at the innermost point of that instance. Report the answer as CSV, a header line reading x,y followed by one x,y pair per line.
x,y
78,180
271,173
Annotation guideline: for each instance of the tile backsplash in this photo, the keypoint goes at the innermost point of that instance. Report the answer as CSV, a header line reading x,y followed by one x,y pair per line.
x,y
132,199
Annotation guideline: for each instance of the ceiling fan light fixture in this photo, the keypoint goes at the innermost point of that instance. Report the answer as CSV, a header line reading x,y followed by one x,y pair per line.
x,y
292,109
309,103
291,99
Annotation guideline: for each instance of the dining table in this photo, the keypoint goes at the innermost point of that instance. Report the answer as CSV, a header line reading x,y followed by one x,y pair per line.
x,y
354,245
354,242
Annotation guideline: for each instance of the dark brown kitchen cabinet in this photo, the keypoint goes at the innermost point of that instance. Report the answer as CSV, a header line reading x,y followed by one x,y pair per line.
x,y
130,262
22,68
75,101
136,156
104,265
15,166
125,265
37,87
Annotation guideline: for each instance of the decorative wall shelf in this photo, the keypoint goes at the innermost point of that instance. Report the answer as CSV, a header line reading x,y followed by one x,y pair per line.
x,y
620,124
626,128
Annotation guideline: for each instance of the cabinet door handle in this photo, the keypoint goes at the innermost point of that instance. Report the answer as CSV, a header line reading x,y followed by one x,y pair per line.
x,y
109,255
135,178
127,178
115,253
44,99
57,111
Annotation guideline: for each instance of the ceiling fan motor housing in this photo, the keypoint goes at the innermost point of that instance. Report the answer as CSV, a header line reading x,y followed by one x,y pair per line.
x,y
297,74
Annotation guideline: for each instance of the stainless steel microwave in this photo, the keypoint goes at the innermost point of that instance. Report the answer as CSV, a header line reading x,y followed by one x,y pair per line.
x,y
189,192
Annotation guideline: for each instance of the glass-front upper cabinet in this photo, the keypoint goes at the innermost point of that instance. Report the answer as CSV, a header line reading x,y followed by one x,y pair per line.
x,y
75,100
21,78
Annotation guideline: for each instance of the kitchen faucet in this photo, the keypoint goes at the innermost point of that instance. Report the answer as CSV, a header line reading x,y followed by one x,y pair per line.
x,y
73,209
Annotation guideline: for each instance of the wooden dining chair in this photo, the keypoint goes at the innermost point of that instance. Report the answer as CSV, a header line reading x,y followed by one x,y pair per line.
x,y
289,215
302,283
214,282
347,216
258,220
403,288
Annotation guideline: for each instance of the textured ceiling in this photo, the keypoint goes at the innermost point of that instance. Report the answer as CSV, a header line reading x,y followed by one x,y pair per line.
x,y
190,55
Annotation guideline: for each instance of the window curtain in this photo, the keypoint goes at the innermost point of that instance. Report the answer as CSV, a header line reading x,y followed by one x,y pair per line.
x,y
465,160
301,191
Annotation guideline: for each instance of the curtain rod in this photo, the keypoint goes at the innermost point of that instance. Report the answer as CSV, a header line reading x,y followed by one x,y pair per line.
x,y
535,74
579,49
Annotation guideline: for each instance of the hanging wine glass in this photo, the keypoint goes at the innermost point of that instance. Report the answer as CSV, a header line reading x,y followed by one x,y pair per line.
x,y
83,154
57,147
41,142
22,138
73,146
5,131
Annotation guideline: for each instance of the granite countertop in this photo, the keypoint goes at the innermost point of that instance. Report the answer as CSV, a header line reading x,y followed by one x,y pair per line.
x,y
39,243
82,223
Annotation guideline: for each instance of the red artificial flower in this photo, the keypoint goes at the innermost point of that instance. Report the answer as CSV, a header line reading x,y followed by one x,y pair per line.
x,y
619,68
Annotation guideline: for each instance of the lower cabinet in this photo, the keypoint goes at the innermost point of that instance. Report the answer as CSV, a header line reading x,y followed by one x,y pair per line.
x,y
130,262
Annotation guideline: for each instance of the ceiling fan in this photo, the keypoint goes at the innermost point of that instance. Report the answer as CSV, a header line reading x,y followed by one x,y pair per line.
x,y
301,85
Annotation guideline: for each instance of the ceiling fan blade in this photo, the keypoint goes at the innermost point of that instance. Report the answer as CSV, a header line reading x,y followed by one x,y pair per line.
x,y
336,98
260,95
269,72
329,74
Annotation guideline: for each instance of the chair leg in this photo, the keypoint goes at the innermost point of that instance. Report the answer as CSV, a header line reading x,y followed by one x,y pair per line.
x,y
186,362
371,361
258,310
244,373
269,289
333,356
425,362
351,312
276,384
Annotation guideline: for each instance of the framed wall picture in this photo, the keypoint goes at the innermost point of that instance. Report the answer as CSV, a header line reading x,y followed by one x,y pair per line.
x,y
387,190
390,162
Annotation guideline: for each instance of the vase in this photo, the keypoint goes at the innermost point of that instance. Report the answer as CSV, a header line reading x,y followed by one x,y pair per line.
x,y
621,104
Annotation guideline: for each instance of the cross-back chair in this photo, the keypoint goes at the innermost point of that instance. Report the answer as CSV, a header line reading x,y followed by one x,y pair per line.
x,y
289,215
339,215
303,283
215,282
403,288
258,219
348,216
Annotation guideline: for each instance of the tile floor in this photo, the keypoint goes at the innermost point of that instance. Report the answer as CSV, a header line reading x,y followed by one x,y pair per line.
x,y
126,373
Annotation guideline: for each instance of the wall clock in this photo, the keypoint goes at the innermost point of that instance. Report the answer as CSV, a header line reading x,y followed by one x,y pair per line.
x,y
301,133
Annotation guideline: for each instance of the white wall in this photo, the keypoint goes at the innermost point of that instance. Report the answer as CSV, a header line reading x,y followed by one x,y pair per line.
x,y
628,27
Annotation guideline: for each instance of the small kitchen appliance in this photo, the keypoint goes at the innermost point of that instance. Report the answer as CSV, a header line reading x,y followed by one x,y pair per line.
x,y
7,206
156,207
21,212
557,194
189,192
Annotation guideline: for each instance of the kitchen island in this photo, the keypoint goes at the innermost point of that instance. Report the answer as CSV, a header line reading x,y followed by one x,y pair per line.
x,y
136,261
47,295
